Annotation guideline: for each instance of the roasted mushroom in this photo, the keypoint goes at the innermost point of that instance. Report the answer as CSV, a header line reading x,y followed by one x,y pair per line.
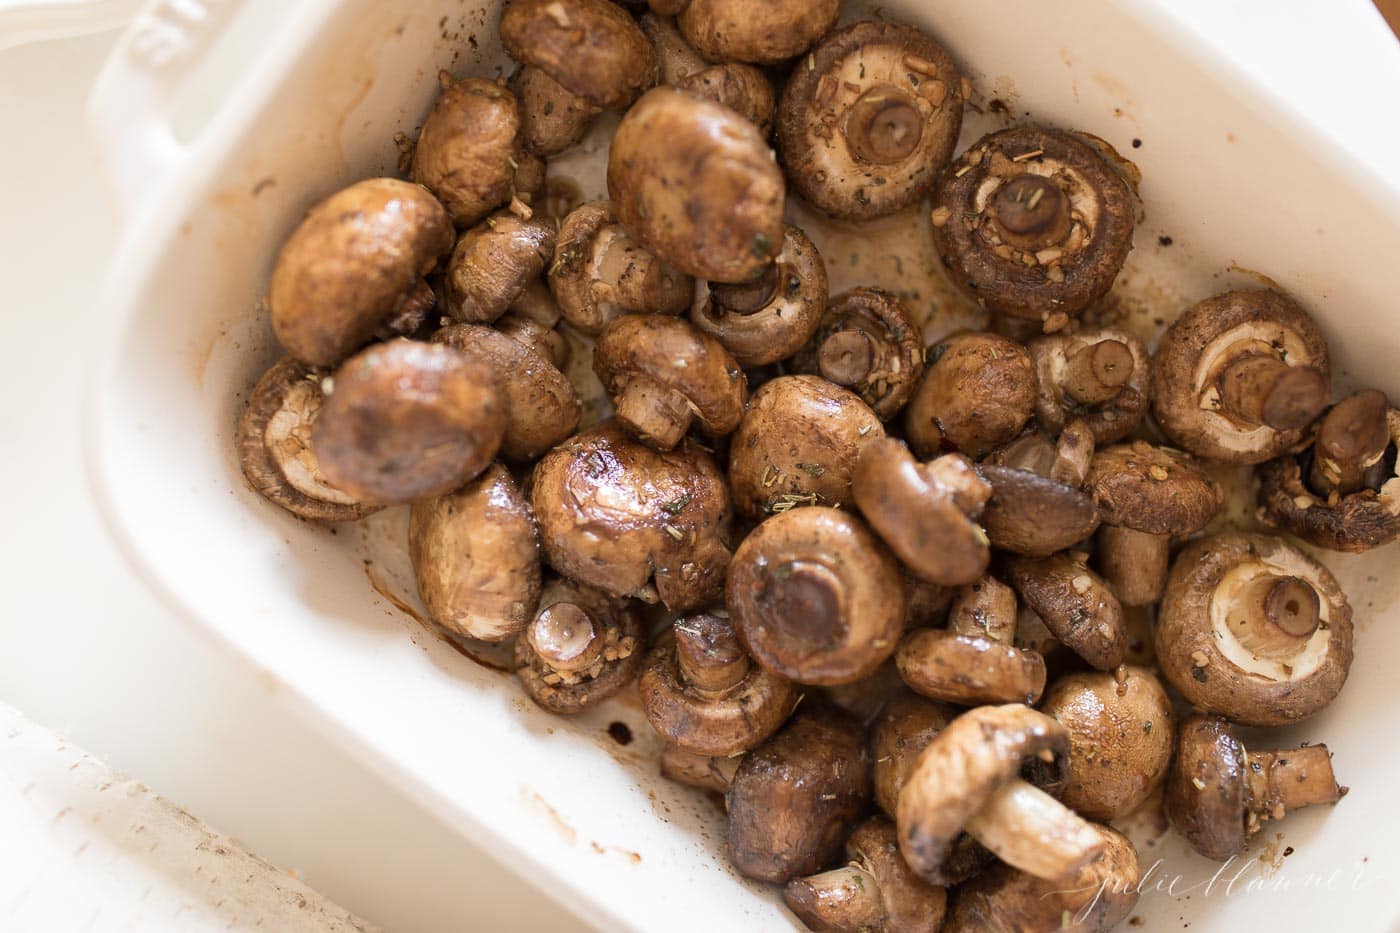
x,y
708,772
1219,794
794,799
978,391
405,420
695,183
532,321
763,33
552,118
742,88
815,596
492,264
476,557
1240,377
704,694
581,648
868,342
469,148
868,120
1101,378
1037,506
662,373
1075,603
1253,629
1034,223
897,737
613,512
351,265
676,59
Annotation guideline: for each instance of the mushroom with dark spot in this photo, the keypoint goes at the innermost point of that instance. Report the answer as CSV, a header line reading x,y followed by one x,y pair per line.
x,y
1075,603
469,149
978,391
492,264
868,342
1101,378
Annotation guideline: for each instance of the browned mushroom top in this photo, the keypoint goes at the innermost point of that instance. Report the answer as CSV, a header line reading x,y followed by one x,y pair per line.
x,y
742,88
977,393
1032,514
868,342
590,47
1153,489
1075,603
533,320
867,121
898,736
1101,378
351,264
552,118
468,149
763,33
492,264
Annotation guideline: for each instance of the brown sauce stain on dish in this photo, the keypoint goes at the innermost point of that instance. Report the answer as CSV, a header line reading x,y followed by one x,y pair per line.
x,y
446,638
566,832
620,732
1264,281
633,857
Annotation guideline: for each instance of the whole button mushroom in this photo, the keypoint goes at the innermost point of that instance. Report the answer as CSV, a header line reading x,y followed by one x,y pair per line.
x,y
492,264
978,391
1348,497
868,342
1034,223
1121,728
1219,794
1147,495
614,513
704,694
600,273
1253,629
581,648
407,420
742,88
868,120
762,33
815,597
351,265
532,321
696,184
1037,506
1101,378
274,446
795,798
468,150
662,373
798,444
552,118
1240,377
476,557
967,778
1075,603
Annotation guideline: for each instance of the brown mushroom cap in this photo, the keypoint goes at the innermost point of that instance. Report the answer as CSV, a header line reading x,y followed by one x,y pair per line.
x,y
350,265
1076,605
708,772
977,393
1038,193
1100,377
1153,489
1034,515
898,736
762,33
476,557
742,88
590,47
1225,657
868,342
406,420
795,797
544,409
868,120
492,264
468,147
969,670
552,118
532,321
695,183
1204,344
815,596
581,622
612,512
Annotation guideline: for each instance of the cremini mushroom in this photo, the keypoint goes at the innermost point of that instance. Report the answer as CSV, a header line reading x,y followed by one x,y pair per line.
x,y
1037,506
676,59
351,265
405,420
662,373
765,34
1219,794
868,342
476,557
1034,223
492,263
532,320
704,694
898,736
869,118
1240,377
708,772
695,183
580,648
815,596
469,148
978,391
552,118
1101,378
1253,629
740,87
1075,603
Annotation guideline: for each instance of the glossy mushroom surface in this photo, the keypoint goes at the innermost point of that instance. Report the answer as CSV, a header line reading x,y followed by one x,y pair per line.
x,y
492,264
592,48
978,391
469,148
1038,506
1076,604
580,648
868,342
762,33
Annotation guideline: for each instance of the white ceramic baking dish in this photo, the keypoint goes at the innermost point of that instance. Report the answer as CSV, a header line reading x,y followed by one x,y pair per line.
x,y
223,121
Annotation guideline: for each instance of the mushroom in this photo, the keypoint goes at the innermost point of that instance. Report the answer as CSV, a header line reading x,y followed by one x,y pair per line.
x,y
1097,898
967,779
1240,377
662,373
695,183
868,342
1253,629
468,150
1075,603
705,695
532,320
1037,506
405,420
613,512
1147,495
774,316
794,799
742,88
865,698
1034,223
351,265
543,407
552,118
707,772
1219,794
797,445
868,120
897,737
492,264
765,34
274,446
874,891
1121,727
675,58
1101,378
977,393
926,512
1348,497
815,597
600,272
581,648
476,557
973,661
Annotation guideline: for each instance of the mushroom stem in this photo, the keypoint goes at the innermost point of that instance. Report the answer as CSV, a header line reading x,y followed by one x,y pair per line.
x,y
747,297
1274,615
1134,563
845,898
1096,373
566,638
884,125
809,596
848,357
1030,830
954,475
1261,389
1351,438
1287,779
652,411
709,654
1032,212
1073,454
985,609
412,309
635,280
